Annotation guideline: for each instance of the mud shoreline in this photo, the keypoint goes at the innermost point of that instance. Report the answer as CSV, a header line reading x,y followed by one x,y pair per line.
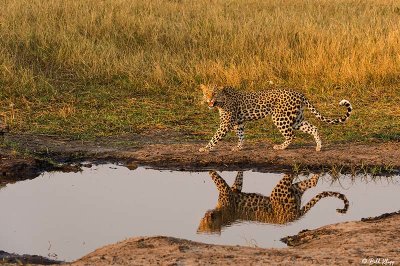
x,y
50,153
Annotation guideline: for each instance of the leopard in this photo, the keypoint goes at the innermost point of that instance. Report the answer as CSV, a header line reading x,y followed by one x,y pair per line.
x,y
281,207
286,107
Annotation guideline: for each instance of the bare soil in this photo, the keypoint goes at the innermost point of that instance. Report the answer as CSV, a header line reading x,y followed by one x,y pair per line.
x,y
175,151
375,241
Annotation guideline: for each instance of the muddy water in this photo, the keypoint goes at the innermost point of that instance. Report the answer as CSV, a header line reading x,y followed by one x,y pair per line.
x,y
67,215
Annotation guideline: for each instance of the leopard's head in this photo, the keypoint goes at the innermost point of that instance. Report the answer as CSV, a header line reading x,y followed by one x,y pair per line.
x,y
213,95
211,223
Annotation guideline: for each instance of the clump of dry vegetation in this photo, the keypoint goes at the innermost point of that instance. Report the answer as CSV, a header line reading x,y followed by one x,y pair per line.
x,y
95,68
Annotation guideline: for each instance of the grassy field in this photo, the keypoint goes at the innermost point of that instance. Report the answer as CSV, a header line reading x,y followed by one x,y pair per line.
x,y
93,68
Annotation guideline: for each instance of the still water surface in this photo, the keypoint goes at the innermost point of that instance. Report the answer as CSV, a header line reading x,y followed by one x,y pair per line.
x,y
67,215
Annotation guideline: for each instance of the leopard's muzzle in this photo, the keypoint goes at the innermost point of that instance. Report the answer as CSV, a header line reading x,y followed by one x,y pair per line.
x,y
211,104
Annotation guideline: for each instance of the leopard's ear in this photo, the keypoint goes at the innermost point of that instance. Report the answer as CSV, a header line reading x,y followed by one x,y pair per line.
x,y
204,88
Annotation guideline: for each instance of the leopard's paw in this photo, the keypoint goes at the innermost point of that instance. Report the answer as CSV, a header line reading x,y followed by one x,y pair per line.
x,y
278,147
237,148
203,149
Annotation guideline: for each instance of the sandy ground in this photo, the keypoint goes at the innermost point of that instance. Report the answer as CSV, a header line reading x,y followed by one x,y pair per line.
x,y
374,241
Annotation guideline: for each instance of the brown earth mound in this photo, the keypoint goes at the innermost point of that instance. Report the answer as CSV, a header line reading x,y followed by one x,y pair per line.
x,y
373,242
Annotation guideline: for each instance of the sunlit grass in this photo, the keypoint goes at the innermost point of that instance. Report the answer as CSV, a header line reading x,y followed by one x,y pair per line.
x,y
100,68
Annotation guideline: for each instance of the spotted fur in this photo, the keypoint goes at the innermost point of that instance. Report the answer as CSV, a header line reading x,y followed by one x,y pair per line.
x,y
284,105
281,207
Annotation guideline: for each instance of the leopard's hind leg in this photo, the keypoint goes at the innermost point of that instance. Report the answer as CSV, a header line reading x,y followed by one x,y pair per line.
x,y
284,187
307,127
302,186
284,124
283,196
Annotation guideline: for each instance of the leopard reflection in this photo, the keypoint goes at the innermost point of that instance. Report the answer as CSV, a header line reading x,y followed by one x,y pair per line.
x,y
281,207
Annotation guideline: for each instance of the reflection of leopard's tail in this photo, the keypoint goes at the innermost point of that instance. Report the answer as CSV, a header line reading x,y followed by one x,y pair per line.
x,y
325,194
330,120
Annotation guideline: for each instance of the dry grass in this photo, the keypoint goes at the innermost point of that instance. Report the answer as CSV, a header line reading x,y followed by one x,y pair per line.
x,y
93,68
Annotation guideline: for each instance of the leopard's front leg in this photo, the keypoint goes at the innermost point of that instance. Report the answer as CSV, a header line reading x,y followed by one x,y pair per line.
x,y
238,184
226,124
223,129
240,134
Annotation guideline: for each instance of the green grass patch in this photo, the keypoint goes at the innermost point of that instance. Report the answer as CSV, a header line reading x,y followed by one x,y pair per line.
x,y
89,69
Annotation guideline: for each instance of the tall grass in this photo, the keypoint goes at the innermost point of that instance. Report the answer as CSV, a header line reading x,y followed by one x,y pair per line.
x,y
112,67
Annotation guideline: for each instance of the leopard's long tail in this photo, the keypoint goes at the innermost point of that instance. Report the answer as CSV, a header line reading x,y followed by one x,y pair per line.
x,y
332,121
325,194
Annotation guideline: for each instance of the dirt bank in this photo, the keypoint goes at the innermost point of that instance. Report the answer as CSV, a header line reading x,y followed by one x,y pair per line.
x,y
15,259
363,242
175,151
